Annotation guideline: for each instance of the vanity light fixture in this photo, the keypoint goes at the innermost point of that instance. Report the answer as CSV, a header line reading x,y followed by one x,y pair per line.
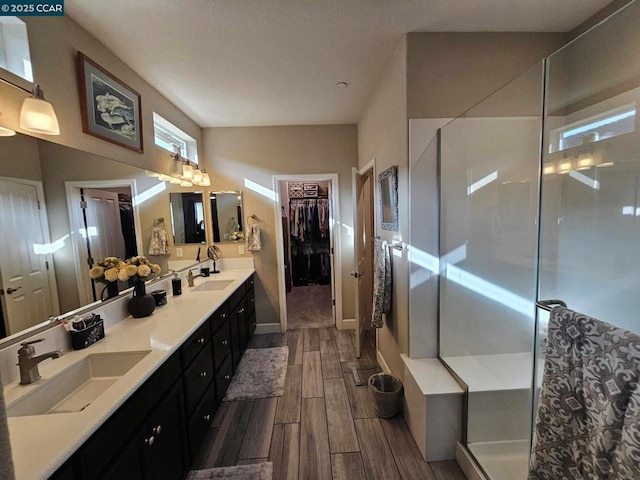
x,y
565,165
37,115
184,183
197,176
548,168
187,171
585,161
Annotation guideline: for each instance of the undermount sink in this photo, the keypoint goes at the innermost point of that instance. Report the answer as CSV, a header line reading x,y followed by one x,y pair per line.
x,y
211,285
76,388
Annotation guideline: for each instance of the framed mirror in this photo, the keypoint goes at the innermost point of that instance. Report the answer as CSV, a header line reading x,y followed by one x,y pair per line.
x,y
226,216
187,218
388,198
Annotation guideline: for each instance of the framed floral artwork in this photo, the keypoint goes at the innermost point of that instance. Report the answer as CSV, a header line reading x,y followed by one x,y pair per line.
x,y
110,108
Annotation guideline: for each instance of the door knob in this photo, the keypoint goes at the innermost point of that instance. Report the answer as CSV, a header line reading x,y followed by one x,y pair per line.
x,y
357,274
11,290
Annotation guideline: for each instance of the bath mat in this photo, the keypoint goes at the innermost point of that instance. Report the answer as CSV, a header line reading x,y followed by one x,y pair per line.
x,y
261,374
254,471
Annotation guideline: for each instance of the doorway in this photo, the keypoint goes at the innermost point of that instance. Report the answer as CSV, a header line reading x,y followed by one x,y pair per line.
x,y
103,214
27,279
309,271
364,227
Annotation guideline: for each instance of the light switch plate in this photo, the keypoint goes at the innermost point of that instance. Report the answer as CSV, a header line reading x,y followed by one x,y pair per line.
x,y
178,252
241,249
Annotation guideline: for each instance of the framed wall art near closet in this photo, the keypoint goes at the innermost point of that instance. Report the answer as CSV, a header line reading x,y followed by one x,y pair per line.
x,y
110,108
388,198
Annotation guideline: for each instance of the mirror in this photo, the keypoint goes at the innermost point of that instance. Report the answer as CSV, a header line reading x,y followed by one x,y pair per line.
x,y
388,198
227,217
187,218
43,187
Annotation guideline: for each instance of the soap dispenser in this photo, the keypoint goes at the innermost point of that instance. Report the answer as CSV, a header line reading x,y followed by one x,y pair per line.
x,y
190,278
176,284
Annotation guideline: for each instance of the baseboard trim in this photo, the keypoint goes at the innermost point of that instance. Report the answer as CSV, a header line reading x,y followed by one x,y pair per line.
x,y
467,464
262,328
382,362
348,323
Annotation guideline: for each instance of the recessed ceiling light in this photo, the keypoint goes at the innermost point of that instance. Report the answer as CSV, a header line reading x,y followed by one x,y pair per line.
x,y
342,84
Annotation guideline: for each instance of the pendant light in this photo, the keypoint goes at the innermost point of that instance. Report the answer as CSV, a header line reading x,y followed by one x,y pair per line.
x,y
37,115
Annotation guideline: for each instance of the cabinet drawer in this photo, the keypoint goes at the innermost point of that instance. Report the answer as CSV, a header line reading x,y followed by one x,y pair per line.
x,y
251,301
201,421
198,377
251,324
217,319
223,379
192,347
221,344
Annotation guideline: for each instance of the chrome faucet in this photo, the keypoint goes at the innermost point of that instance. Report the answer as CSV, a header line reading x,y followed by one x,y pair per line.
x,y
28,362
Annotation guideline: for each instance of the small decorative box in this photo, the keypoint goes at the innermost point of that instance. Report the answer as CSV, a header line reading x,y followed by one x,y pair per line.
x,y
88,336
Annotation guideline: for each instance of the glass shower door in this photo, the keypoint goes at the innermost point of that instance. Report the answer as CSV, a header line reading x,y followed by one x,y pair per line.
x,y
489,165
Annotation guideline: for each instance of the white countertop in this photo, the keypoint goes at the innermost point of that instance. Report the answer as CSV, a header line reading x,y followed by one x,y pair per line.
x,y
41,444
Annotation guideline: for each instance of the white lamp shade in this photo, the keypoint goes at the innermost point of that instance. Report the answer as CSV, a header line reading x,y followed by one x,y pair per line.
x,y
175,180
186,184
197,175
38,116
206,181
187,172
5,132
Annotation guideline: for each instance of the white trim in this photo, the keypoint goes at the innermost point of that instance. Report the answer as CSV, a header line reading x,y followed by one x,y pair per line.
x,y
262,328
335,233
381,361
349,324
72,190
44,225
467,464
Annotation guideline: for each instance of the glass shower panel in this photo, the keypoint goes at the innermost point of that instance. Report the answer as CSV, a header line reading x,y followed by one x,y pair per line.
x,y
590,223
488,238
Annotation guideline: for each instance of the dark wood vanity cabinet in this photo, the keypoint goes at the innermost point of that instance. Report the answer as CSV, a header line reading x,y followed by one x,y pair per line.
x,y
158,432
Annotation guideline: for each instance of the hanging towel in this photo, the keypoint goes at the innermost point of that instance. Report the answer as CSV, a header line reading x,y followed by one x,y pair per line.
x,y
253,238
381,282
588,422
6,462
159,244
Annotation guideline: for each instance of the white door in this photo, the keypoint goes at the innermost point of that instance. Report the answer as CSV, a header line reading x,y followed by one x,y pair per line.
x,y
26,297
363,230
103,228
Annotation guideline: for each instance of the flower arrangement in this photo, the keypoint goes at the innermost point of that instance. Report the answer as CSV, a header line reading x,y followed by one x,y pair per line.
x,y
236,235
110,269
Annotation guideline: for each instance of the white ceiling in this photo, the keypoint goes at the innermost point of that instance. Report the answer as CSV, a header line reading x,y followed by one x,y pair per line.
x,y
276,62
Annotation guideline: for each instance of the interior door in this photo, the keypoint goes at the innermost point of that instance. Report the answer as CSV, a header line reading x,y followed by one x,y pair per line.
x,y
26,295
363,215
103,228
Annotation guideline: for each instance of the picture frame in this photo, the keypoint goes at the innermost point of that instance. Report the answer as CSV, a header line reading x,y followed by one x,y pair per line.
x,y
388,198
111,109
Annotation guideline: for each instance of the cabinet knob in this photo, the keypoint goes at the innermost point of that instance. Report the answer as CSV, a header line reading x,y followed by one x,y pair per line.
x,y
225,342
227,377
241,310
223,315
207,417
203,374
157,430
201,340
149,441
253,300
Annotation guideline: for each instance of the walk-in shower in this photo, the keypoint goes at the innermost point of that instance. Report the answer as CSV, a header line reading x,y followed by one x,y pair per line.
x,y
539,198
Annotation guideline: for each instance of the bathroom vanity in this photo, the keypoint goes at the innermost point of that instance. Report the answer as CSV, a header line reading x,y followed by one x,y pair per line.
x,y
166,374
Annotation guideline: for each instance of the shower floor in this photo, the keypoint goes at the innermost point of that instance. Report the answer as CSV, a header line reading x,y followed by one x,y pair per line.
x,y
506,460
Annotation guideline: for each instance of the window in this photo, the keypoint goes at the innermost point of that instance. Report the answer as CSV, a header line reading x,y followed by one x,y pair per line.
x,y
14,48
170,137
609,124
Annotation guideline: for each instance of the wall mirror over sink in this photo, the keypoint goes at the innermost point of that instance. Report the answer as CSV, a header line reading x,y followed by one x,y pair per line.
x,y
226,216
388,198
187,217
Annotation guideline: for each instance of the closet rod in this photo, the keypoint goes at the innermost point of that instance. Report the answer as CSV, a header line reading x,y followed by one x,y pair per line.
x,y
397,246
549,304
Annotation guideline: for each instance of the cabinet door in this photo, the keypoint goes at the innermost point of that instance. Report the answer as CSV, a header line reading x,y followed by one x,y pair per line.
x,y
234,326
163,439
129,464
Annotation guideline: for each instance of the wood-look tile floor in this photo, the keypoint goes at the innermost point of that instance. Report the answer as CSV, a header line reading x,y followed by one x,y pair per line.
x,y
323,427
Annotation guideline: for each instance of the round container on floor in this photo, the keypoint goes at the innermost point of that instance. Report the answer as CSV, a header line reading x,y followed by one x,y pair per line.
x,y
385,391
